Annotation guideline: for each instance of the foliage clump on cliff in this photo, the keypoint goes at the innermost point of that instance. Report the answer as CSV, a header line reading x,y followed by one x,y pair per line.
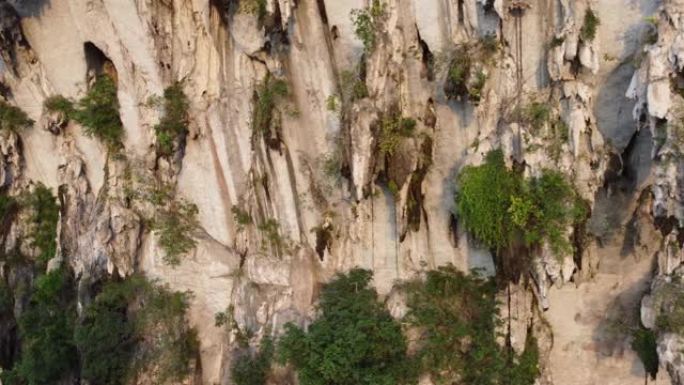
x,y
466,76
97,112
353,341
366,23
266,96
505,212
590,25
174,121
174,222
13,118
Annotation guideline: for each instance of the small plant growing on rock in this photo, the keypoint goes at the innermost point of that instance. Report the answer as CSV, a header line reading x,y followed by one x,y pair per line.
x,y
393,128
174,122
590,26
241,216
13,118
254,7
174,225
266,96
366,23
466,76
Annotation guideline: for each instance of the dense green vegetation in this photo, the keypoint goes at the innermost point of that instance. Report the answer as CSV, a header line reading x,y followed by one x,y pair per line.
x,y
249,369
13,118
457,315
174,122
590,26
43,219
505,211
46,332
366,23
98,111
135,319
484,198
354,341
266,96
105,336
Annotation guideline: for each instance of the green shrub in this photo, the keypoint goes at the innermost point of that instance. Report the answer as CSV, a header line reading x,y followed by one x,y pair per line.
x,y
458,74
645,345
458,317
271,230
553,209
266,96
392,131
13,118
536,114
174,225
366,22
498,207
174,122
98,112
354,341
591,23
466,77
46,329
484,198
44,217
253,369
241,216
58,103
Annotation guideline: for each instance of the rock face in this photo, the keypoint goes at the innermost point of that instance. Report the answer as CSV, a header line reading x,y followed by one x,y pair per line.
x,y
318,192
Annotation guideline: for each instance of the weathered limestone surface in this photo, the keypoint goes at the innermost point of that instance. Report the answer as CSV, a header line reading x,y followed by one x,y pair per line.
x,y
613,93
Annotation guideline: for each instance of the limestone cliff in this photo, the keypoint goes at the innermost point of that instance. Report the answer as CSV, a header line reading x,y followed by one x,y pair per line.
x,y
287,200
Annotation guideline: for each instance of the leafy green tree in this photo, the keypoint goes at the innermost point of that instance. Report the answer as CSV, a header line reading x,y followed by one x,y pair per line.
x,y
354,341
46,330
458,317
105,336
